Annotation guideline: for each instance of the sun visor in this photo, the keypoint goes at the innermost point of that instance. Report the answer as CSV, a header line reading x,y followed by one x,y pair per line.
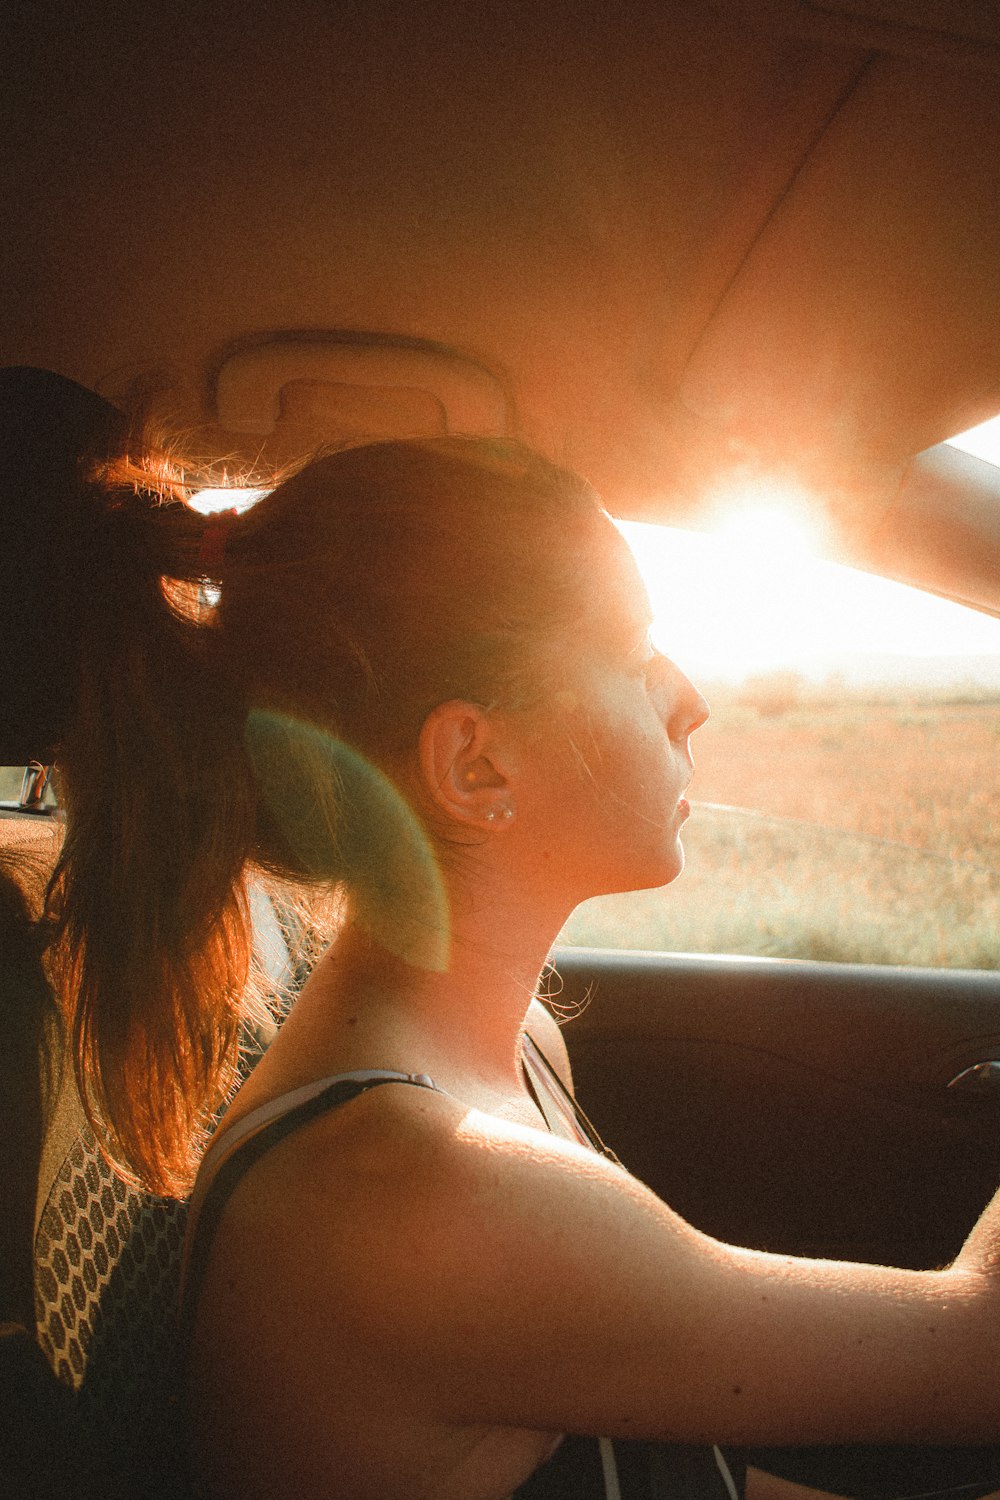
x,y
942,532
861,328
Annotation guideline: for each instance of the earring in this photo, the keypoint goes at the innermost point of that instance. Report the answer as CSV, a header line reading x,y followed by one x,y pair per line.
x,y
503,812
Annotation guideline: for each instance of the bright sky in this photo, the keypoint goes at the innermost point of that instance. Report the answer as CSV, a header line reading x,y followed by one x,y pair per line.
x,y
751,597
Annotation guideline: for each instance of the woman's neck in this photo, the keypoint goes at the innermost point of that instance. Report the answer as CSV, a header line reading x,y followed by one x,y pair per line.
x,y
366,1007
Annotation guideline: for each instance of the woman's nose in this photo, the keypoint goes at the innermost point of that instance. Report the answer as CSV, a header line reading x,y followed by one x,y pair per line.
x,y
690,708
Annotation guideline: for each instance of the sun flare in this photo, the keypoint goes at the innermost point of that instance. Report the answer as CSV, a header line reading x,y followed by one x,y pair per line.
x,y
752,597
774,535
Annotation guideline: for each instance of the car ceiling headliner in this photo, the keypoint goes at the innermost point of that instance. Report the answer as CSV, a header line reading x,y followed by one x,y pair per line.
x,y
681,244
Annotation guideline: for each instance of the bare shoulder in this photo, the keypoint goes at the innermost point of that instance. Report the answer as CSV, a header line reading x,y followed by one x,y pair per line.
x,y
402,1180
544,1031
430,1217
394,1161
416,1253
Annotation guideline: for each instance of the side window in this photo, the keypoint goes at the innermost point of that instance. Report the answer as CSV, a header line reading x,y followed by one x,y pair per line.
x,y
10,783
14,785
846,803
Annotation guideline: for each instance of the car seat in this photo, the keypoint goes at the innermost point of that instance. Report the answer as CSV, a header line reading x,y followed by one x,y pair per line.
x,y
107,1283
46,1349
107,1261
101,1257
106,1274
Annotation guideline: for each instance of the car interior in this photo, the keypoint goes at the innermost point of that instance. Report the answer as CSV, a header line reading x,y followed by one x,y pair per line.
x,y
685,248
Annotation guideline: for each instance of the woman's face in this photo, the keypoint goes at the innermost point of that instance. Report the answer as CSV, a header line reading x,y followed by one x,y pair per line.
x,y
613,756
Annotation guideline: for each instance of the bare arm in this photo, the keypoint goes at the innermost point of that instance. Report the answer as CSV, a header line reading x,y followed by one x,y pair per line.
x,y
506,1277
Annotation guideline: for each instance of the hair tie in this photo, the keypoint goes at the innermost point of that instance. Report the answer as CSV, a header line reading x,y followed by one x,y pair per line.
x,y
214,539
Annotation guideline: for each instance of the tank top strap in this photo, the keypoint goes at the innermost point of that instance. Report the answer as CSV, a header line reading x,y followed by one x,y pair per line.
x,y
237,1149
561,1111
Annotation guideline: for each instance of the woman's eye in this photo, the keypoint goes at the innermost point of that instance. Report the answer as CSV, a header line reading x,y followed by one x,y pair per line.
x,y
649,664
658,674
641,660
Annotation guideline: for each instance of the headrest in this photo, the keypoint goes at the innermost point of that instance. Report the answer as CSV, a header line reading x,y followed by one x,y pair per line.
x,y
51,430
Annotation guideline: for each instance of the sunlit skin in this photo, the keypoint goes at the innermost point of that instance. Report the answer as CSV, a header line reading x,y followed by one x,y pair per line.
x,y
415,1295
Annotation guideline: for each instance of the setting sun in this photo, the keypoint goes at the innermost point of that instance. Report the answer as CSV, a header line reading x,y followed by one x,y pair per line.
x,y
751,595
771,533
750,598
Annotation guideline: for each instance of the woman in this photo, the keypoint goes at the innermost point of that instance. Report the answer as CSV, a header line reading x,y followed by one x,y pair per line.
x,y
429,682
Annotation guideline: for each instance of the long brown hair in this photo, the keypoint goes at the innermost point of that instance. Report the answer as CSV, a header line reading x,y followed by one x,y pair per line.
x,y
150,947
370,585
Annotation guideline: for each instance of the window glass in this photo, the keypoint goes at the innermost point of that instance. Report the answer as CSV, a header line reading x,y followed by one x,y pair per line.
x,y
11,784
846,802
835,824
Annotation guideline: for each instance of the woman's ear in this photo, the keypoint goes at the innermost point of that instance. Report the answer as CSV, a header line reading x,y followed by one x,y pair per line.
x,y
466,764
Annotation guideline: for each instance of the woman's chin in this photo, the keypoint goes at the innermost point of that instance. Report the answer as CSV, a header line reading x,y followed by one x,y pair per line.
x,y
676,867
654,874
671,863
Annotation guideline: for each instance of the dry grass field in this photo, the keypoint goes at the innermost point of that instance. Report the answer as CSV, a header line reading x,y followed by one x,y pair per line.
x,y
873,836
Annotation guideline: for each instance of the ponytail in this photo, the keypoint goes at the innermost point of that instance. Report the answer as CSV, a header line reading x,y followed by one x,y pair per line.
x,y
151,926
111,671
